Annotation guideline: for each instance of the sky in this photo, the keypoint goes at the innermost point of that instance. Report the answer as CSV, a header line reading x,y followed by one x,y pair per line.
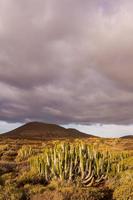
x,y
68,62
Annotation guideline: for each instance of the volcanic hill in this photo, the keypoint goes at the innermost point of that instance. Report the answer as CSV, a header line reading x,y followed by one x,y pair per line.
x,y
127,137
43,131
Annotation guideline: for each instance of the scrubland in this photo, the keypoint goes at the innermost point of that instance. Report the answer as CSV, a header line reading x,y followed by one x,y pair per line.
x,y
84,169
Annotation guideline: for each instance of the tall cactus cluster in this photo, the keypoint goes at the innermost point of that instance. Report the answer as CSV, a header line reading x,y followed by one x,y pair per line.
x,y
24,153
77,163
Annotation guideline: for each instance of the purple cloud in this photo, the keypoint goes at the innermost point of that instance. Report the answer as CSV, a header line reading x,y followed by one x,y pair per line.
x,y
66,61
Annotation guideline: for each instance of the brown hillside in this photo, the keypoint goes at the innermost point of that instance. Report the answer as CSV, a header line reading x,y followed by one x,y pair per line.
x,y
127,137
39,130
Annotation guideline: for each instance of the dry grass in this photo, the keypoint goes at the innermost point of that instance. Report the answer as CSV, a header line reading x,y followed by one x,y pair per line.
x,y
16,182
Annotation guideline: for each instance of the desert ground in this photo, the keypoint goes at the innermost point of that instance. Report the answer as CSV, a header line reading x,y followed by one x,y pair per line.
x,y
66,169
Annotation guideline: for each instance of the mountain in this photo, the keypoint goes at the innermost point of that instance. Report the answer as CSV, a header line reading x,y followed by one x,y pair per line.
x,y
44,131
127,137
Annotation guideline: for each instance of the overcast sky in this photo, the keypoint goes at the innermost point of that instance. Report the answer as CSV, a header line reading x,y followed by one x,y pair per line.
x,y
68,62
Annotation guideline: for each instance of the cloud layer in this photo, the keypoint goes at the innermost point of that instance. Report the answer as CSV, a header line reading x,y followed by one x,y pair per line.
x,y
66,61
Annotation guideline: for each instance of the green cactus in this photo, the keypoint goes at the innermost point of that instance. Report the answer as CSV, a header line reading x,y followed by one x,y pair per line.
x,y
76,162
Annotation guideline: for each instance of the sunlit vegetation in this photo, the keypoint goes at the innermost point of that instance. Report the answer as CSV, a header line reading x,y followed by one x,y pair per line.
x,y
25,152
78,163
93,169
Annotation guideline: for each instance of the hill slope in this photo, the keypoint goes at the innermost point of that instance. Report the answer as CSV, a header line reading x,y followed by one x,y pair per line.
x,y
39,130
127,137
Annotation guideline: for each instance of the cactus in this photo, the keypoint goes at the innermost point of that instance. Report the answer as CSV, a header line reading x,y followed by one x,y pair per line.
x,y
77,162
24,153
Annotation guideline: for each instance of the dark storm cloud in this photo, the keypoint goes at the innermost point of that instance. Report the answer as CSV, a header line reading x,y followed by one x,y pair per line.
x,y
66,61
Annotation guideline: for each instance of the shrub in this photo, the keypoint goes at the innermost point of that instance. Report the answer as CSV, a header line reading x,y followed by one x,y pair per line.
x,y
124,186
30,178
24,153
75,194
11,193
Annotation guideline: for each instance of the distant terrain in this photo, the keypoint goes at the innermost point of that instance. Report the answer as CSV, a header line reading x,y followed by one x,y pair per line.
x,y
44,131
40,161
127,137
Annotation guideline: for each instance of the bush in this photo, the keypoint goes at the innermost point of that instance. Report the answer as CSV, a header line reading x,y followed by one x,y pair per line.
x,y
24,153
30,178
124,187
75,194
11,193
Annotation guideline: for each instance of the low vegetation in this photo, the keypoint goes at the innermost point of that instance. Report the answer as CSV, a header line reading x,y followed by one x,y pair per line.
x,y
77,163
88,169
